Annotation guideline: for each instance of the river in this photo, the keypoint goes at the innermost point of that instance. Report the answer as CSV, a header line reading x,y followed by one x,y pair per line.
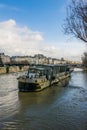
x,y
54,108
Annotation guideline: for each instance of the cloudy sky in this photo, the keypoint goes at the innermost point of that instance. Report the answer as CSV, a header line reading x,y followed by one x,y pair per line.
x,y
29,27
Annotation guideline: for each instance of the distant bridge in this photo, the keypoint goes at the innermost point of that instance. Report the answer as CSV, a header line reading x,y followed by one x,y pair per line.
x,y
76,66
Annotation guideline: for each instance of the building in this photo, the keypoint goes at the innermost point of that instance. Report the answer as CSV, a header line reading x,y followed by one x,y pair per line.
x,y
23,60
36,59
4,59
41,59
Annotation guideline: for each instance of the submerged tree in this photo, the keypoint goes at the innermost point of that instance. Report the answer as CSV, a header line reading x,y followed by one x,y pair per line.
x,y
76,20
84,59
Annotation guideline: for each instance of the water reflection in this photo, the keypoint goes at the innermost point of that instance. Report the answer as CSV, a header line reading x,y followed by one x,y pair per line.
x,y
39,98
79,79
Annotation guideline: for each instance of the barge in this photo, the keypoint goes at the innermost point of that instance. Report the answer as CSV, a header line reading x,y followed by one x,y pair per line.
x,y
40,77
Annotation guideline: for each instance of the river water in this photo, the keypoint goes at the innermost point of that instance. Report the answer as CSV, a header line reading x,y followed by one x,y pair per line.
x,y
54,108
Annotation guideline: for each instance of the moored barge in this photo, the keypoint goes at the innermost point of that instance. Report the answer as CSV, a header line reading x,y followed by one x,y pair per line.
x,y
42,76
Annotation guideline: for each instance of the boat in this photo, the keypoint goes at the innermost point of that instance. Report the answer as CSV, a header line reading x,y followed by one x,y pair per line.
x,y
39,77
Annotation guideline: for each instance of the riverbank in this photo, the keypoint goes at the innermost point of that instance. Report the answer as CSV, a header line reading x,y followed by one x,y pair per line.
x,y
12,69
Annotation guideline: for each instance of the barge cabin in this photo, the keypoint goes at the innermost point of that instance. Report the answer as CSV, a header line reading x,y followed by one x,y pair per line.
x,y
42,76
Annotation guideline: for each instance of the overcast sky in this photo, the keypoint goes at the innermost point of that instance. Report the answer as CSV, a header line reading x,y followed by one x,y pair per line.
x,y
29,27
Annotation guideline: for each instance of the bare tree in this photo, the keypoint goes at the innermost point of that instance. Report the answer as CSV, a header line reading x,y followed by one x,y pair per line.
x,y
76,20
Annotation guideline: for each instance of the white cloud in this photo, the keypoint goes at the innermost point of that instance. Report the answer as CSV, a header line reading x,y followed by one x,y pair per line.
x,y
17,40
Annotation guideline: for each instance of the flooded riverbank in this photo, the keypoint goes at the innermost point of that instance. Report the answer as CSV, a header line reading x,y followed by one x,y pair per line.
x,y
55,108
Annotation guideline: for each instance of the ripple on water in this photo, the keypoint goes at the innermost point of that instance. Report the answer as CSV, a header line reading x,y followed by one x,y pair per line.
x,y
8,96
52,109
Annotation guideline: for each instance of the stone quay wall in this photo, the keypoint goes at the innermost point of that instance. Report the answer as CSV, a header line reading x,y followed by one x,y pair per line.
x,y
2,70
13,69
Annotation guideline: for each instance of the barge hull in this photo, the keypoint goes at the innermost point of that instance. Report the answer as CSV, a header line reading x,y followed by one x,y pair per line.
x,y
31,87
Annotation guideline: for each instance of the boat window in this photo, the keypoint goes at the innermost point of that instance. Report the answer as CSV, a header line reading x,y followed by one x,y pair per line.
x,y
36,72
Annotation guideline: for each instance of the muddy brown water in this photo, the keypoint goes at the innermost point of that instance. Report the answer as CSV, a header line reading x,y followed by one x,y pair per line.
x,y
54,108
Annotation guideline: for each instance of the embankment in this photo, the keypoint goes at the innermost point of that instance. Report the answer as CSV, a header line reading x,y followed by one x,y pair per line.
x,y
12,69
